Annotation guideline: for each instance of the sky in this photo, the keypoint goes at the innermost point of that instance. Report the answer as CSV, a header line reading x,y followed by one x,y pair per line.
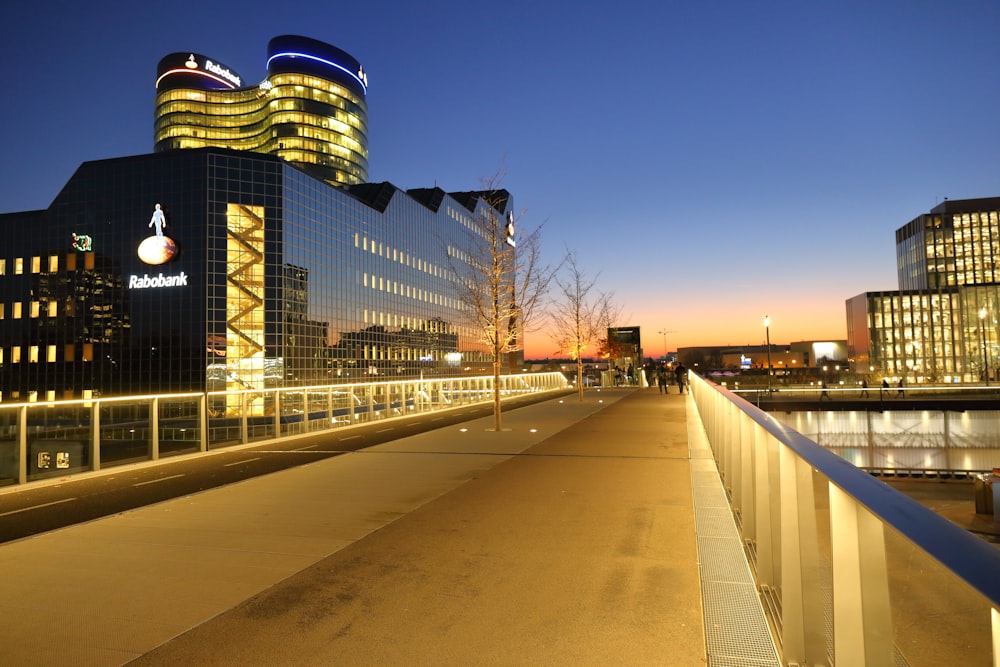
x,y
709,163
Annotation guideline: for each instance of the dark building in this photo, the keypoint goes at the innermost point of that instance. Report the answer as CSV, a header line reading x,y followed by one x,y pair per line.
x,y
212,269
246,252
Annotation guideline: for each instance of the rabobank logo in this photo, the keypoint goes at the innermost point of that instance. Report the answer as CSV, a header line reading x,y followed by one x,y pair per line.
x,y
147,281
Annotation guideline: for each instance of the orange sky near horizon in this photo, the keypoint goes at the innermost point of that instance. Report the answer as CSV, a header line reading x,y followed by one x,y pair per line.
x,y
693,325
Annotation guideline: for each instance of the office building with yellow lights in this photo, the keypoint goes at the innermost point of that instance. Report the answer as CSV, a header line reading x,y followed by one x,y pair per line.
x,y
263,263
942,324
309,110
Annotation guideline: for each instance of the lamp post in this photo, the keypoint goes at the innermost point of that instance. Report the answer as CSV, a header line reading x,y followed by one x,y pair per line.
x,y
982,332
767,333
664,333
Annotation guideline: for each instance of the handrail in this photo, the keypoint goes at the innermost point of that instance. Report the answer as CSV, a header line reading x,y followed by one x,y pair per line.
x,y
45,439
772,475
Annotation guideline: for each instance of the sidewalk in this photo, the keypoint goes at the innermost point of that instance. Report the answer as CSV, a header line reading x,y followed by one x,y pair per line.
x,y
566,539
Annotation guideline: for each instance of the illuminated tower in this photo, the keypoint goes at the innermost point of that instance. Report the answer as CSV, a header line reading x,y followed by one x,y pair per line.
x,y
310,109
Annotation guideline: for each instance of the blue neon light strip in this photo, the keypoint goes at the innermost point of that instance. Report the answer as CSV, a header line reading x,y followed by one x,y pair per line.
x,y
293,54
199,72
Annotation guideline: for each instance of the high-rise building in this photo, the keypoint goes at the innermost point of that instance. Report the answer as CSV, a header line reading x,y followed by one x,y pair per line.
x,y
199,268
310,109
942,326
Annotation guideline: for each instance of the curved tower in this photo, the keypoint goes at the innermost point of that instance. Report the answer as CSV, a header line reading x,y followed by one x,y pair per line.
x,y
310,109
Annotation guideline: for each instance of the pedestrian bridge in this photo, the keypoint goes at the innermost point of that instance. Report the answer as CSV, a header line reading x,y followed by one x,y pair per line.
x,y
627,528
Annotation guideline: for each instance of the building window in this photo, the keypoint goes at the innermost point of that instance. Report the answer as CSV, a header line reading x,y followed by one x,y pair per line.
x,y
50,354
52,308
35,309
17,310
18,266
15,354
36,264
53,263
88,351
69,352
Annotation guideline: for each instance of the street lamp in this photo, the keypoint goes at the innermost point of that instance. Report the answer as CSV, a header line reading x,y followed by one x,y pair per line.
x,y
982,331
664,333
767,333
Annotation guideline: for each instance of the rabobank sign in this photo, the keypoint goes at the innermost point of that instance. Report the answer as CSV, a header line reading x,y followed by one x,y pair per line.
x,y
151,282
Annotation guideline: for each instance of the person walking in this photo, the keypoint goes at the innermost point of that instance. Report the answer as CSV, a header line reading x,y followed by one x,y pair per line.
x,y
661,379
681,374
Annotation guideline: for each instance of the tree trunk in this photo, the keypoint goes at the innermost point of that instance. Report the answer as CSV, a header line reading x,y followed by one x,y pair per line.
x,y
496,391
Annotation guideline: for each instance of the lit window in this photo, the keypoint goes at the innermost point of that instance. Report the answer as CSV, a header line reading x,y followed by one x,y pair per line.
x,y
88,351
17,310
69,352
35,310
3,267
33,354
53,263
15,354
50,354
18,266
52,309
50,395
36,264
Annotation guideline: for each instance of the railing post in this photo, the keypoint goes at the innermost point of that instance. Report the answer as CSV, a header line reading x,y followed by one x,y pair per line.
x,y
22,444
802,633
203,423
276,402
154,428
95,436
862,619
244,418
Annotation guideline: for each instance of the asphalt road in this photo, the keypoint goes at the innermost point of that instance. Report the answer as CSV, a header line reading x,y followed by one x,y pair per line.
x,y
42,506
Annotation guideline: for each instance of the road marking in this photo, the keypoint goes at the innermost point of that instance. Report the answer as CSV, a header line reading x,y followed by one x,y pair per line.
x,y
154,481
35,507
385,430
350,437
239,463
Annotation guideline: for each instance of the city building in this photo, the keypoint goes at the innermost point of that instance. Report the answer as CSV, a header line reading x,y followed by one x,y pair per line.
x,y
209,268
941,326
310,109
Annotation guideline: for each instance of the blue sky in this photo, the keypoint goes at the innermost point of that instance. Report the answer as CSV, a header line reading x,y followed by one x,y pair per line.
x,y
710,162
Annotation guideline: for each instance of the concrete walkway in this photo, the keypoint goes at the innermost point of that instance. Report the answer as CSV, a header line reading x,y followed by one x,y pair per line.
x,y
568,538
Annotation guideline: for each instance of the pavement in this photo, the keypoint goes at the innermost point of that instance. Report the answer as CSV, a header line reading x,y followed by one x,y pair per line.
x,y
566,538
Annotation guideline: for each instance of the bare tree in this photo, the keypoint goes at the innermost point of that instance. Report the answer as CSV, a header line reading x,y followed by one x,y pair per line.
x,y
499,277
575,316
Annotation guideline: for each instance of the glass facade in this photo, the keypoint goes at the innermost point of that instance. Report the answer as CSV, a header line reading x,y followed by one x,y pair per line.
x,y
942,326
217,269
310,109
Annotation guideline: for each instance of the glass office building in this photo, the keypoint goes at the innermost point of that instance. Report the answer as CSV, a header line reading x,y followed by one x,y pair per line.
x,y
310,109
942,326
212,268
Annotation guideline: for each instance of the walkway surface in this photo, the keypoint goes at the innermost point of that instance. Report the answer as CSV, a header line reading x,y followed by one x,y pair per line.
x,y
567,538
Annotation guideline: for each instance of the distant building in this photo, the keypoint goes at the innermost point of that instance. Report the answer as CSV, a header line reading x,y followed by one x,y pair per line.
x,y
941,326
798,356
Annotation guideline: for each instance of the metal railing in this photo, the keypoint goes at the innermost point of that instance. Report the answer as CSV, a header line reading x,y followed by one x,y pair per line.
x,y
852,572
56,438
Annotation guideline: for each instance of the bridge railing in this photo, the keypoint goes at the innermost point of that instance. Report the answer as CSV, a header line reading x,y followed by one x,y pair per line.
x,y
57,438
852,572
